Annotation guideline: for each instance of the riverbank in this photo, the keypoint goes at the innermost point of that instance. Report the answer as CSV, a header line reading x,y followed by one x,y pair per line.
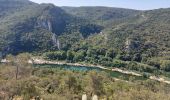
x,y
42,61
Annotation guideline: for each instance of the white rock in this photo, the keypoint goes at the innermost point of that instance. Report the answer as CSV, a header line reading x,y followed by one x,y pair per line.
x,y
84,97
95,97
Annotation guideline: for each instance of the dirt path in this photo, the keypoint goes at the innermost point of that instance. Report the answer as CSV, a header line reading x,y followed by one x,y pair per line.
x,y
160,79
42,61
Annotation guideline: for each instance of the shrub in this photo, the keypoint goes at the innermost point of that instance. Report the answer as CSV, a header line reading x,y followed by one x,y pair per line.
x,y
57,55
165,65
118,63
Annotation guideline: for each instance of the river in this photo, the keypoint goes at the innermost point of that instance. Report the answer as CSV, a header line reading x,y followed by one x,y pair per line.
x,y
114,74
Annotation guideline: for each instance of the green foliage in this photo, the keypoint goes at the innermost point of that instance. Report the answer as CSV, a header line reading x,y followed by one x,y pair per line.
x,y
52,83
165,65
89,29
70,55
29,27
140,67
111,37
118,63
79,56
100,14
57,55
111,53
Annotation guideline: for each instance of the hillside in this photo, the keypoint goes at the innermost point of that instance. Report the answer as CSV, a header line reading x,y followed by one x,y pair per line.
x,y
65,53
100,14
28,26
97,35
147,31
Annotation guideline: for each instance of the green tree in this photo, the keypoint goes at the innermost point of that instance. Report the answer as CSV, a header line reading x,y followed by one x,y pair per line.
x,y
57,55
111,53
165,65
80,56
21,63
70,55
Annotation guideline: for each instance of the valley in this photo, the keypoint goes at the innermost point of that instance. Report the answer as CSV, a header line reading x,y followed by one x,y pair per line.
x,y
60,53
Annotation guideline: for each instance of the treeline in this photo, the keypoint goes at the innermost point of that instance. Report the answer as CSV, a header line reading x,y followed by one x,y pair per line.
x,y
93,56
110,58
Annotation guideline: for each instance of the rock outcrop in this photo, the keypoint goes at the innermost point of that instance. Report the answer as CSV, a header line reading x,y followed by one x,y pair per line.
x,y
84,97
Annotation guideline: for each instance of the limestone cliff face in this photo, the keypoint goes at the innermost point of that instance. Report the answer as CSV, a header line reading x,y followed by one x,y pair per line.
x,y
28,27
54,20
46,23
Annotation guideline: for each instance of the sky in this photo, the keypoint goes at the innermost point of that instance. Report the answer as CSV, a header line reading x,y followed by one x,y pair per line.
x,y
132,4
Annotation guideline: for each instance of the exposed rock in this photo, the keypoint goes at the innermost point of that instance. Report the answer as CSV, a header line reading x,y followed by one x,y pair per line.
x,y
18,98
58,44
45,23
49,25
84,97
95,97
54,40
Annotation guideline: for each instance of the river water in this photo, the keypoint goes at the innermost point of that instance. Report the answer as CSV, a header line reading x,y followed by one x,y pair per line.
x,y
87,68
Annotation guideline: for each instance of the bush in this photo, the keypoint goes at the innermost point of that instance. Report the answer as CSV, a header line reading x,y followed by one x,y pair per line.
x,y
79,56
57,55
70,55
165,65
154,63
146,75
137,57
118,63
141,67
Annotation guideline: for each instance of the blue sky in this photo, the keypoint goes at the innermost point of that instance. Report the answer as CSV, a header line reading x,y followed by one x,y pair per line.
x,y
133,4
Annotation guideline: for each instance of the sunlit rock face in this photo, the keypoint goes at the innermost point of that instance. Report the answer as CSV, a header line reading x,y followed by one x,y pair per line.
x,y
46,23
51,20
95,97
84,97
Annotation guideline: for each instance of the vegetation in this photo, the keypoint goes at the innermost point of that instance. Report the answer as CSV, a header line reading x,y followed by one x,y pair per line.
x,y
32,26
129,33
111,37
53,83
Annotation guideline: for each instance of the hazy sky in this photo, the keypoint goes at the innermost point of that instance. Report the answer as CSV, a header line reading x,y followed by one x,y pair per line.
x,y
133,4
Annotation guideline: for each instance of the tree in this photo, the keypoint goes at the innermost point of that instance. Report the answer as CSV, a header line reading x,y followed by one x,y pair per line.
x,y
0,55
21,63
89,29
57,55
80,56
110,53
70,55
137,57
165,65
91,52
118,63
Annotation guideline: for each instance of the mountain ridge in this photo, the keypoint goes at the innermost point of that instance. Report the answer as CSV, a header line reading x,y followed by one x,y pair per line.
x,y
115,25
